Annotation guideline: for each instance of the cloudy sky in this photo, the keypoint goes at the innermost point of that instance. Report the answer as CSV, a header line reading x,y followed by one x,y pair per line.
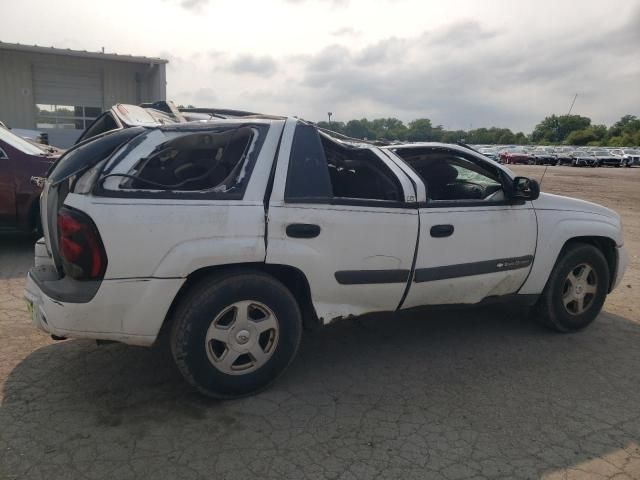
x,y
462,63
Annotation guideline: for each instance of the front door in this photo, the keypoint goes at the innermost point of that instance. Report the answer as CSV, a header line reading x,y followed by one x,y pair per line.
x,y
474,243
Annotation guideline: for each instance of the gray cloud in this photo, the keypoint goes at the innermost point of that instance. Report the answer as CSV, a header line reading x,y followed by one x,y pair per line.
x,y
466,74
205,96
460,34
252,64
346,32
461,75
192,5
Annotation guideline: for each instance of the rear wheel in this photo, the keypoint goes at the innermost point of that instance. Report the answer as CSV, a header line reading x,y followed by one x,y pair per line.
x,y
576,289
233,335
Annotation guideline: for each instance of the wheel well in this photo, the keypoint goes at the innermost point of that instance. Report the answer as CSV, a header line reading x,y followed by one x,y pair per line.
x,y
608,248
291,277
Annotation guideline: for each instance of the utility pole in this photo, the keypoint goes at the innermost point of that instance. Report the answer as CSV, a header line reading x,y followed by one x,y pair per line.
x,y
329,114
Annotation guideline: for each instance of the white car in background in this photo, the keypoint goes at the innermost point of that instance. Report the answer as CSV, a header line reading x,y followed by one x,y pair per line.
x,y
225,237
628,157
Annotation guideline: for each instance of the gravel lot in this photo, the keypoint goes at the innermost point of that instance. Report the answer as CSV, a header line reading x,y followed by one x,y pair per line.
x,y
481,393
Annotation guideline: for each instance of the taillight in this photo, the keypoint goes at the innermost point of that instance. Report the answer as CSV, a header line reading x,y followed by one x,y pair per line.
x,y
81,249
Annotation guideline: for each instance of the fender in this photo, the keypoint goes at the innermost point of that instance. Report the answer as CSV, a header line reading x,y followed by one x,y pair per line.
x,y
151,238
189,256
555,229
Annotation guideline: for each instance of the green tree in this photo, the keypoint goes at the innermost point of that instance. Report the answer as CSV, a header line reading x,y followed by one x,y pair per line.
x,y
420,130
360,129
334,126
389,128
555,129
581,137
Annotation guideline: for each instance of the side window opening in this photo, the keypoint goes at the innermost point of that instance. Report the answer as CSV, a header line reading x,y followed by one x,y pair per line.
x,y
321,168
196,161
450,176
359,173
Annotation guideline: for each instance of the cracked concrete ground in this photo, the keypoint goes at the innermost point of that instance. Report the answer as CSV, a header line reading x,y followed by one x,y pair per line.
x,y
442,394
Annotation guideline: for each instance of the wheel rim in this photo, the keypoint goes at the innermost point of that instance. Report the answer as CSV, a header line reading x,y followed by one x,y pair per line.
x,y
242,338
579,289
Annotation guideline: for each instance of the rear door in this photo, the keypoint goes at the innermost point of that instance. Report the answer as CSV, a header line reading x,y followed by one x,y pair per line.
x,y
346,217
474,243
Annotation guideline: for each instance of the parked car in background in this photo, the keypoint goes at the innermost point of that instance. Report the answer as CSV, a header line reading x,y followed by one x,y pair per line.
x,y
20,162
491,153
225,237
564,158
606,159
544,156
516,156
583,158
629,157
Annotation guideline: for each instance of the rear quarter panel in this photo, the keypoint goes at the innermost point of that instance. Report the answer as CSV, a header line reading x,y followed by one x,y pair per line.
x,y
172,238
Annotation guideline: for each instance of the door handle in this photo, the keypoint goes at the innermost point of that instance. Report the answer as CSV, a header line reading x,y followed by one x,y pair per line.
x,y
303,230
439,231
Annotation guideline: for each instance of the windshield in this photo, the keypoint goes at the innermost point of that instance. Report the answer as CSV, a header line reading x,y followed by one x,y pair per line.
x,y
19,143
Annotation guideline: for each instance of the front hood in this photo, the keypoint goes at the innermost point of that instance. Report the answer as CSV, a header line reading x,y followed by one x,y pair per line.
x,y
548,201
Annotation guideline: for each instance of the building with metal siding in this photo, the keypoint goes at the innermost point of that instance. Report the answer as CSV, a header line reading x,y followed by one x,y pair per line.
x,y
60,91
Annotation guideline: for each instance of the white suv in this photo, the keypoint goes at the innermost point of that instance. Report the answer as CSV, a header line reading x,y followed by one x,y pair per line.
x,y
227,236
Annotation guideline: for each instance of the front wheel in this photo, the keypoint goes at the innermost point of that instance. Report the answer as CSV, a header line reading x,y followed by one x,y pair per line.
x,y
234,334
576,289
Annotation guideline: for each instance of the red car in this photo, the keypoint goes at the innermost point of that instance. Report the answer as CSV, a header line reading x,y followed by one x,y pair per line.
x,y
515,157
20,160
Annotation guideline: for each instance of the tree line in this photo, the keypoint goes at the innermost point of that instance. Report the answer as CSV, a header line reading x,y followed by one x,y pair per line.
x,y
553,130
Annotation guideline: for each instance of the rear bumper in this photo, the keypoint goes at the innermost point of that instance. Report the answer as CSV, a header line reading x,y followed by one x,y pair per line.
x,y
125,310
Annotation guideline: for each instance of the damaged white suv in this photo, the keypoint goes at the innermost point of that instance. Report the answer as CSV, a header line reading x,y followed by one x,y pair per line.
x,y
228,236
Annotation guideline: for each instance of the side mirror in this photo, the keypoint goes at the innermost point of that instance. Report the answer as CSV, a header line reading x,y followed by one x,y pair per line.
x,y
525,188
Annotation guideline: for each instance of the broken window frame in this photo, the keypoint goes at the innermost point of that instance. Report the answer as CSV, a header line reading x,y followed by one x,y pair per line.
x,y
111,170
331,198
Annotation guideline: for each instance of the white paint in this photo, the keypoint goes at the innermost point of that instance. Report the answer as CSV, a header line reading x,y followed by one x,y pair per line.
x,y
480,233
129,311
152,245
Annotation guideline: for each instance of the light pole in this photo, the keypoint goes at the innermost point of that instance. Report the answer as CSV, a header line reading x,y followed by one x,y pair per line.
x,y
329,114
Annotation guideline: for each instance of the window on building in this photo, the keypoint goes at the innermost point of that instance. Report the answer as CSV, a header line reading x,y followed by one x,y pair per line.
x,y
65,116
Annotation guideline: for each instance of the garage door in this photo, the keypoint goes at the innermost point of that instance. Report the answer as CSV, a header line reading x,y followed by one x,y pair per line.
x,y
67,101
65,86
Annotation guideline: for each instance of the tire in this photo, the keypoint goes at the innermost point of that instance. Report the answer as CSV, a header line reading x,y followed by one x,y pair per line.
x,y
568,305
207,333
